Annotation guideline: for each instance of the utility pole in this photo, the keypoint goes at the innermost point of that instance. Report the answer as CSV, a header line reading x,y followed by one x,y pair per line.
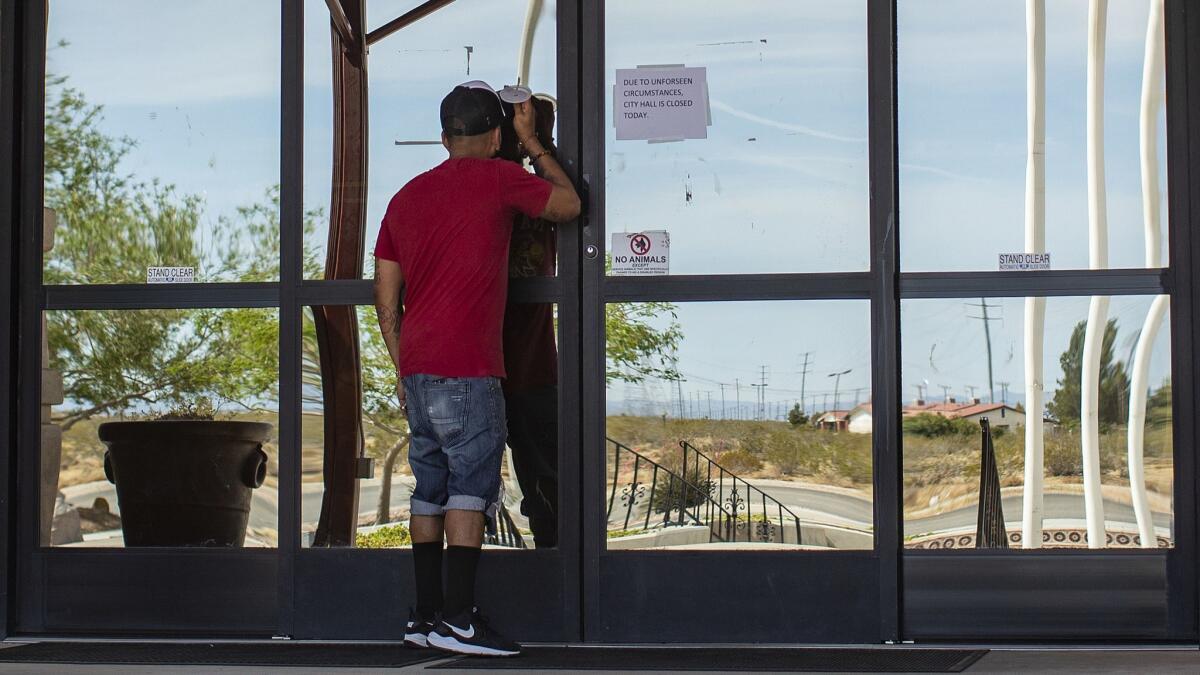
x,y
762,393
971,391
1003,392
679,389
737,388
987,334
945,393
722,385
825,402
920,391
804,374
857,393
709,395
837,380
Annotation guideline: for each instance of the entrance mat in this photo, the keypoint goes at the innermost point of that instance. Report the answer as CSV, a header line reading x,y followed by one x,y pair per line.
x,y
878,660
362,655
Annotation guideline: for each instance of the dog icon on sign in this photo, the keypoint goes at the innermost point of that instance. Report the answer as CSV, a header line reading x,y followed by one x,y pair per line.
x,y
639,244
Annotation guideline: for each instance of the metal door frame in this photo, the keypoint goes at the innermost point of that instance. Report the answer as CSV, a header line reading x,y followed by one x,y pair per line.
x,y
906,596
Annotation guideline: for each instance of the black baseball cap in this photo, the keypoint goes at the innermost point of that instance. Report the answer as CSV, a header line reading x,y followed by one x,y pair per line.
x,y
470,109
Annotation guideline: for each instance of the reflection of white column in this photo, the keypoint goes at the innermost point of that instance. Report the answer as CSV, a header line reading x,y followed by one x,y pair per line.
x,y
532,11
1093,341
1035,242
1152,75
1137,420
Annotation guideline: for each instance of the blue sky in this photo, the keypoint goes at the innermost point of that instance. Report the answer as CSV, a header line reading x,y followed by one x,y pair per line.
x,y
200,94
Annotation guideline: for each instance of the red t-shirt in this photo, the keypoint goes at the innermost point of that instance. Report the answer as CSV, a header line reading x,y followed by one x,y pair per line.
x,y
449,230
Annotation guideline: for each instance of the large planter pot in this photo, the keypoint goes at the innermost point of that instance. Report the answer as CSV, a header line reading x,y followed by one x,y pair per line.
x,y
185,483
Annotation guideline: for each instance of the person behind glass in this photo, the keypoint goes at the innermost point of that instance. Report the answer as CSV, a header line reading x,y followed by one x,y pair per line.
x,y
531,355
444,243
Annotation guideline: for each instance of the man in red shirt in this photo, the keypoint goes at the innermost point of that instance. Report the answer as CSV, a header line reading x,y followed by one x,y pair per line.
x,y
444,242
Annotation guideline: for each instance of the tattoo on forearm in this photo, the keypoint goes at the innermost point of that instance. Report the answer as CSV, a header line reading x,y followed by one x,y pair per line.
x,y
389,320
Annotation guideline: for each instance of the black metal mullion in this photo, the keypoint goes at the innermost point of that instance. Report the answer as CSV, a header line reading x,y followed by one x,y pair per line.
x,y
160,296
567,289
717,287
1183,211
31,133
9,171
885,310
1036,284
593,524
291,258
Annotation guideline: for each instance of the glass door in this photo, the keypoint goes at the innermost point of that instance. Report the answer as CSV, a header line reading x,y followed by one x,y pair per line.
x,y
351,559
736,468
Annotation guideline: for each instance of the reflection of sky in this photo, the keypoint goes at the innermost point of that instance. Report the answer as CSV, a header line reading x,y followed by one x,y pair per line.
x,y
200,95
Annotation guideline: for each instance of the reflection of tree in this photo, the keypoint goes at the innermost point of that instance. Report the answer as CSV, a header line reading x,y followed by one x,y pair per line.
x,y
112,226
1114,381
635,349
380,408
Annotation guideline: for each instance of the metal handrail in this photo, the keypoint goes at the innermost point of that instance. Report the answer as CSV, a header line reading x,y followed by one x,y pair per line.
x,y
504,531
738,501
680,501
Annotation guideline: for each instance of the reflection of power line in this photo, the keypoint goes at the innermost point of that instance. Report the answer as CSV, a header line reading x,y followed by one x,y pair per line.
x,y
837,381
761,400
804,374
987,336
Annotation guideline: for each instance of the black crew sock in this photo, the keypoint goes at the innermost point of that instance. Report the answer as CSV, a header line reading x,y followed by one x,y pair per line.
x,y
461,563
427,563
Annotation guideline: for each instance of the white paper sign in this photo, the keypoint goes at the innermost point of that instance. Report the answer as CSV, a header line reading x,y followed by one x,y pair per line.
x,y
641,254
1024,262
661,103
170,275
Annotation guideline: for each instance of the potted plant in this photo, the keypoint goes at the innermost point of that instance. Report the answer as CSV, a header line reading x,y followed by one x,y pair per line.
x,y
185,478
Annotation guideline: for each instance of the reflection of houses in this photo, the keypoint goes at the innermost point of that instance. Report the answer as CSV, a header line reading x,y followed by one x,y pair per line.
x,y
833,420
858,421
998,414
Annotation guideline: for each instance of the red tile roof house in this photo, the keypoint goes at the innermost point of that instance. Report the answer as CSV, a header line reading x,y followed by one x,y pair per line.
x,y
858,420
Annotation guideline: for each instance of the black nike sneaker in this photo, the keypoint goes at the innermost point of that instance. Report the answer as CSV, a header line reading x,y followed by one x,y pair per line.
x,y
416,633
469,633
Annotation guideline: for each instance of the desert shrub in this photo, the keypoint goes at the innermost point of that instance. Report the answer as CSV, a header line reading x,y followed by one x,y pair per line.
x,y
393,536
790,452
740,461
932,426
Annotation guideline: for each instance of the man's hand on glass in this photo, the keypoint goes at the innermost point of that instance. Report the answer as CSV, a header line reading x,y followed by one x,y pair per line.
x,y
525,123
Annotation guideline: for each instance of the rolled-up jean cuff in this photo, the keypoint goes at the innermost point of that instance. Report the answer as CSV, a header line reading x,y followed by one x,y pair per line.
x,y
467,503
420,508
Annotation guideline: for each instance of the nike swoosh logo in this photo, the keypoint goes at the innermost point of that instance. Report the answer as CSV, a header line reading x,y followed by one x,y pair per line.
x,y
468,634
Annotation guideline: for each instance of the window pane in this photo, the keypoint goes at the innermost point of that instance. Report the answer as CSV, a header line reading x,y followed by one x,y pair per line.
x,y
529,472
963,130
751,437
162,140
179,408
960,368
410,72
780,183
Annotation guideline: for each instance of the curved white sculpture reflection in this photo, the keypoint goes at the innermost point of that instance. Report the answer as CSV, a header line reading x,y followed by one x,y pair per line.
x,y
1035,242
1093,342
532,12
1152,95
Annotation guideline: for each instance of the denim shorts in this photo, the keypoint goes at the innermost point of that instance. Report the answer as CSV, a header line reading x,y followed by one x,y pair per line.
x,y
458,433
